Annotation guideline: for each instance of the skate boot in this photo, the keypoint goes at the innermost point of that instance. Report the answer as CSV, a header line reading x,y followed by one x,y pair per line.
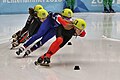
x,y
14,35
21,49
46,61
14,44
39,61
111,10
27,53
106,10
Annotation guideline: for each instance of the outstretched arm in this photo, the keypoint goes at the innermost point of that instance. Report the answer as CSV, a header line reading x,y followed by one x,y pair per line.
x,y
66,24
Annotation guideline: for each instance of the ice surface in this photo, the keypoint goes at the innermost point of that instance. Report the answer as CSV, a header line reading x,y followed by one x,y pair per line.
x,y
98,54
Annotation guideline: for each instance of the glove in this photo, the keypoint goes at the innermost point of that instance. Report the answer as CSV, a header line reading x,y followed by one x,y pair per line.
x,y
82,34
31,11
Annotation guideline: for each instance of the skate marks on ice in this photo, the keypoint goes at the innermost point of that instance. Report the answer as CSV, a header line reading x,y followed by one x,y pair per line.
x,y
41,64
16,48
98,59
33,55
110,39
21,57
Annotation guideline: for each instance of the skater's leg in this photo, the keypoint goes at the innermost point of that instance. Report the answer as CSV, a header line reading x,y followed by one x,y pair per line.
x,y
45,26
30,41
110,6
110,2
55,46
44,39
59,43
68,2
45,59
63,37
105,2
16,39
72,5
23,37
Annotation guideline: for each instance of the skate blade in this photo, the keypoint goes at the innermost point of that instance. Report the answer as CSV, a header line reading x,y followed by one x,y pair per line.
x,y
36,63
13,48
43,64
17,53
24,56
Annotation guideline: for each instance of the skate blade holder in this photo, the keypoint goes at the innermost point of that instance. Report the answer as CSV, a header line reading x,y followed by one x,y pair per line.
x,y
45,64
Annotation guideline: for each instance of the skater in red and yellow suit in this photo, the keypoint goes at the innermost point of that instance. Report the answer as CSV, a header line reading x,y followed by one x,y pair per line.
x,y
63,35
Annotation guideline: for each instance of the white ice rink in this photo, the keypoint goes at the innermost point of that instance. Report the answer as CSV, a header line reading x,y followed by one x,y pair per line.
x,y
97,54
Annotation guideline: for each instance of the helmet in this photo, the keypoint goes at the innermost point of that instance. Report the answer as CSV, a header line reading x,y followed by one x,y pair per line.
x,y
42,13
80,24
67,13
38,7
